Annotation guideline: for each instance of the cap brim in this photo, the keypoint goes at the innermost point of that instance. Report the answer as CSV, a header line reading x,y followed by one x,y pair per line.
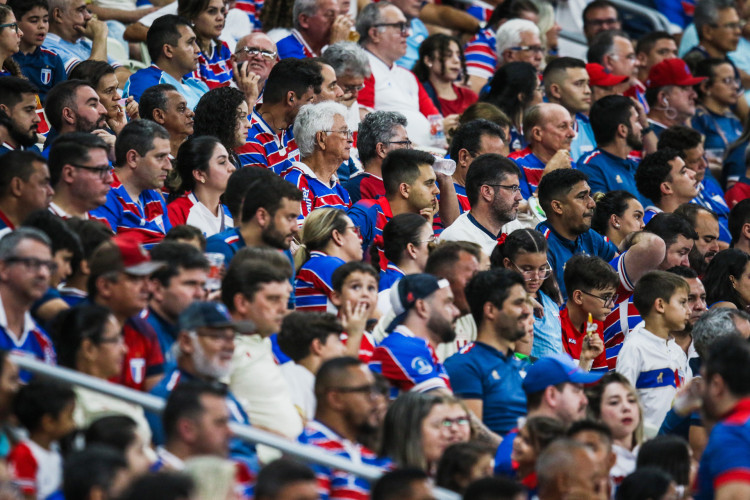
x,y
581,377
144,268
610,81
689,82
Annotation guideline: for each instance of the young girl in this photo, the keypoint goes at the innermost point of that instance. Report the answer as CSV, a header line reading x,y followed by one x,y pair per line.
x,y
525,251
536,434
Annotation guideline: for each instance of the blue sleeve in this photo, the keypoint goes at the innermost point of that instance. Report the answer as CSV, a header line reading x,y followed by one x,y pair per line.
x,y
674,10
734,166
107,213
137,83
59,74
731,451
700,122
675,424
359,217
220,246
289,47
597,180
465,381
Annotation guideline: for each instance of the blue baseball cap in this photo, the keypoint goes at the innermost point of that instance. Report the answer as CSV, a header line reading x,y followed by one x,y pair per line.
x,y
408,290
556,369
211,315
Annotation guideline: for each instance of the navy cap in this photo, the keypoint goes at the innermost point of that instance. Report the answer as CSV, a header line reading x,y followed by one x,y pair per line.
x,y
211,315
556,369
408,290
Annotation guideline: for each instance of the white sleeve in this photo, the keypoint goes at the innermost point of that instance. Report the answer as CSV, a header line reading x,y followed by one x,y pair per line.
x,y
629,361
149,19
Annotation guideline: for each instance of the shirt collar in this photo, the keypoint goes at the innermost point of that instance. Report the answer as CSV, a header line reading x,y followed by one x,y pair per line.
x,y
480,227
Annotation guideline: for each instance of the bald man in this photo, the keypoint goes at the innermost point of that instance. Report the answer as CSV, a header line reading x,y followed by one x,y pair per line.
x,y
254,57
568,469
548,129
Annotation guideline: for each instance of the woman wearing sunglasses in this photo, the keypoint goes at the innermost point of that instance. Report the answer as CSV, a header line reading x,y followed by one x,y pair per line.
x,y
525,251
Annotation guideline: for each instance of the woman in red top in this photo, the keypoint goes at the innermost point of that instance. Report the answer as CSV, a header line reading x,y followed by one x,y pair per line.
x,y
441,69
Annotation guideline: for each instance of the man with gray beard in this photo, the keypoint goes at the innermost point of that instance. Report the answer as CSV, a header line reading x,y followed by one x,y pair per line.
x,y
205,345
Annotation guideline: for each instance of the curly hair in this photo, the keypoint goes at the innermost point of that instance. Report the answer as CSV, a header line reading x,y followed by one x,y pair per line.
x,y
216,114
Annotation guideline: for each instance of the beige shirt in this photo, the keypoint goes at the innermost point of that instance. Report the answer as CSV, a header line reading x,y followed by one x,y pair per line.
x,y
91,406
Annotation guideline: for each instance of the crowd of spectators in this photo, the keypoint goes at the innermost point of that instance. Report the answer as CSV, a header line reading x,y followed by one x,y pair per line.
x,y
445,240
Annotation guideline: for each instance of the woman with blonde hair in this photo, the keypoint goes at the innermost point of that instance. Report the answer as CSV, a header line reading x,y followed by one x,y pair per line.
x,y
329,240
615,403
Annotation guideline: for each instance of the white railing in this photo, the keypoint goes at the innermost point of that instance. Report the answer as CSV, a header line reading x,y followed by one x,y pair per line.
x,y
156,404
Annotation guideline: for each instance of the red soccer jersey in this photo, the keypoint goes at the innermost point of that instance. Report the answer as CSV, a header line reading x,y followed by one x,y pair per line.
x,y
144,357
573,340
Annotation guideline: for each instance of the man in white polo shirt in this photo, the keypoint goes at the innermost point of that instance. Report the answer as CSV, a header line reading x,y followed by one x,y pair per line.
x,y
383,30
494,195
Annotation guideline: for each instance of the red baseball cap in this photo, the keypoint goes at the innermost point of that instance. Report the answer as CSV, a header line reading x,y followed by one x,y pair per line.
x,y
672,72
600,77
124,254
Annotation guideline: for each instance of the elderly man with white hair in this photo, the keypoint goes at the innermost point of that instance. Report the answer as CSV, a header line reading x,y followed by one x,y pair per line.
x,y
324,141
352,67
518,40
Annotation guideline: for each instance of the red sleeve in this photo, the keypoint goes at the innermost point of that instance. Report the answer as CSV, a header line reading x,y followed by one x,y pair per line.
x,y
177,213
426,106
366,96
23,468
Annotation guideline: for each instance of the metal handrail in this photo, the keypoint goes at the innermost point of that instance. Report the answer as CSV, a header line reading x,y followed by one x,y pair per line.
x,y
156,404
658,20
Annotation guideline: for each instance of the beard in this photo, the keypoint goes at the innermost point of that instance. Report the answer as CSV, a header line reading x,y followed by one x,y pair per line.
x,y
634,141
207,367
441,328
26,139
272,237
85,125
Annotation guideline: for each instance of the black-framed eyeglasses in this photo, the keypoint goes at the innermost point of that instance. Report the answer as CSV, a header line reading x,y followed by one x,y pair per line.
x,y
609,300
514,188
254,51
33,264
103,171
407,143
403,27
352,89
541,274
370,389
10,25
348,133
532,48
602,22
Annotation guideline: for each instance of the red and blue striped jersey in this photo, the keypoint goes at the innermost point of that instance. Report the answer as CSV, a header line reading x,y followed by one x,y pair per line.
x,y
293,45
726,458
313,287
371,216
266,149
480,10
365,186
252,9
623,318
146,218
463,200
389,277
481,58
409,362
316,193
337,484
216,69
532,169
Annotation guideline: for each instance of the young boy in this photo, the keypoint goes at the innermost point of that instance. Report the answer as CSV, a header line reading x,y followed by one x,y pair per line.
x,y
591,285
45,409
650,358
41,66
355,293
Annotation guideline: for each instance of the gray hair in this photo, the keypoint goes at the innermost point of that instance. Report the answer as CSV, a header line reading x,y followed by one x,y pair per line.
x,y
377,127
715,323
509,35
311,119
707,13
348,59
11,240
307,7
368,18
57,4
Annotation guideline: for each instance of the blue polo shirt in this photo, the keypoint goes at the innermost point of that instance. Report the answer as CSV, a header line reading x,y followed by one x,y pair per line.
x,y
608,172
711,196
483,372
719,130
42,67
167,334
191,88
560,250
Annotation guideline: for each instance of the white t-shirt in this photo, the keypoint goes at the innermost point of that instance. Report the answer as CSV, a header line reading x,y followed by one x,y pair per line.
x,y
467,228
301,382
652,365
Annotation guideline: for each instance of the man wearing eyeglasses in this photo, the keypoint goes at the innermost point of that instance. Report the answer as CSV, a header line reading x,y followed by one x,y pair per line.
x,y
598,16
614,50
493,191
80,173
25,268
174,54
255,57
